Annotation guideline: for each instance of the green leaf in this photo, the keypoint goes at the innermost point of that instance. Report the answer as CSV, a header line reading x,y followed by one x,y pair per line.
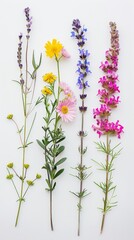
x,y
40,144
59,150
16,81
48,183
33,61
54,186
58,173
60,161
61,139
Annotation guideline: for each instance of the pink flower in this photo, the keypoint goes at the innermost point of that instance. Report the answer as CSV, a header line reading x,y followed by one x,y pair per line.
x,y
103,111
65,53
104,126
66,109
67,91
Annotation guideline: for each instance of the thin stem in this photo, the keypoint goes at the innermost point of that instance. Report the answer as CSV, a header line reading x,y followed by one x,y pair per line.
x,y
27,189
107,181
51,211
24,139
31,127
81,164
54,144
30,109
14,185
18,131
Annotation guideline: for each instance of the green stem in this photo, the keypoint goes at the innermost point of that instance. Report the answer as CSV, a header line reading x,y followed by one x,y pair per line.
x,y
54,144
81,165
14,185
107,181
51,211
18,131
24,139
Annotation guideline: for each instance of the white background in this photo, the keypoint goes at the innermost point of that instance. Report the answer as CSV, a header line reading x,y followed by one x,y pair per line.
x,y
53,19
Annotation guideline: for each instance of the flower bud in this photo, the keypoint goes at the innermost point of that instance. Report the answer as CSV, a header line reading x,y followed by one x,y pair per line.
x,y
26,166
10,165
9,116
10,176
38,176
30,183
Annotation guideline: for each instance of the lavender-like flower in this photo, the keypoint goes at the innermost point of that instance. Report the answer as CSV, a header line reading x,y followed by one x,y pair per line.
x,y
27,88
28,20
82,70
19,52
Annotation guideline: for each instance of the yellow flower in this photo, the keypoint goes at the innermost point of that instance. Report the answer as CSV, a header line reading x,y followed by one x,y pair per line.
x,y
46,91
53,49
9,116
49,78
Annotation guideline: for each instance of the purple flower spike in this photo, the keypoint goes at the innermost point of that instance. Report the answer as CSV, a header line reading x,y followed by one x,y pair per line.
x,y
28,20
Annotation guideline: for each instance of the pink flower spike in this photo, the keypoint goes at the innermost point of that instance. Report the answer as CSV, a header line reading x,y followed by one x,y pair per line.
x,y
65,53
66,109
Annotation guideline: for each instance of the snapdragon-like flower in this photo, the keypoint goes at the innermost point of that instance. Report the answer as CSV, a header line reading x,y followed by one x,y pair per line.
x,y
109,100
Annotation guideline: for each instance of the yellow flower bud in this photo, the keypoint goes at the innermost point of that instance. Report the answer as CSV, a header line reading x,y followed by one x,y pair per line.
x,y
38,176
26,166
30,183
10,176
9,116
10,165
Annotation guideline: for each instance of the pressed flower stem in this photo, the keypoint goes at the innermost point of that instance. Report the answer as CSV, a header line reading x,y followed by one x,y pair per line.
x,y
24,140
81,165
54,143
18,131
51,211
107,180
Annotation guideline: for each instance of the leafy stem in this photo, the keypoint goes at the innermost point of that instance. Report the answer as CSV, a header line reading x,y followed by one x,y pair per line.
x,y
107,183
107,187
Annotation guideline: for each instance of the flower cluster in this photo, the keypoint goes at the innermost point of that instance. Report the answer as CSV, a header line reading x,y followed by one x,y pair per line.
x,y
110,87
60,104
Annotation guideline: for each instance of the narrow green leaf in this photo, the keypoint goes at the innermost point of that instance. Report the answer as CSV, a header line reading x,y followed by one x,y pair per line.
x,y
61,161
40,144
60,149
54,186
58,173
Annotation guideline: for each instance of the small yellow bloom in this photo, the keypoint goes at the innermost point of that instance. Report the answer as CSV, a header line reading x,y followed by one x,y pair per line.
x,y
10,165
9,116
49,78
10,176
53,48
46,91
38,176
30,183
26,166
